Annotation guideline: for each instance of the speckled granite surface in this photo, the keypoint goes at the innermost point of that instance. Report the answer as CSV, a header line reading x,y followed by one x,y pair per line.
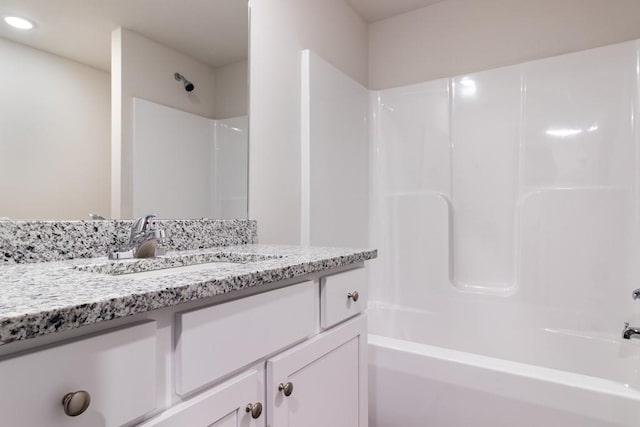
x,y
43,241
171,260
43,298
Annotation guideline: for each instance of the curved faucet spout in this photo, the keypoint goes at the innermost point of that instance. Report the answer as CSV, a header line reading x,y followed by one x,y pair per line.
x,y
630,332
146,245
143,241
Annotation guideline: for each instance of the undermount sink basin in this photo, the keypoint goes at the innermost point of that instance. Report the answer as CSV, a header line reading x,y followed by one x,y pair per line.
x,y
174,261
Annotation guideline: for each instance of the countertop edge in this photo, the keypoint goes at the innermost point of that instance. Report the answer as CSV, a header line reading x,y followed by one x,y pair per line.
x,y
22,327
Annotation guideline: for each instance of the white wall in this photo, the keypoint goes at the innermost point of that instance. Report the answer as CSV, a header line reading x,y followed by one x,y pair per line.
x,y
460,36
232,90
54,136
144,69
335,167
280,30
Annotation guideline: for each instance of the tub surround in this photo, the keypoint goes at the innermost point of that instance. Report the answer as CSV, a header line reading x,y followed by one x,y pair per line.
x,y
43,241
43,298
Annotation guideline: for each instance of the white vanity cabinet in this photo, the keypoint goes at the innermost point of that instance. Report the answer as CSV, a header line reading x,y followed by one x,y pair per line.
x,y
321,382
290,354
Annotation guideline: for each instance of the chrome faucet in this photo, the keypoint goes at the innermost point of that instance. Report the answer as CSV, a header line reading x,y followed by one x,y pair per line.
x,y
143,241
630,332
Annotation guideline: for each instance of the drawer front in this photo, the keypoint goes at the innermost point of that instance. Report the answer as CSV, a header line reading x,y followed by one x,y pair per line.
x,y
117,369
225,405
335,303
215,341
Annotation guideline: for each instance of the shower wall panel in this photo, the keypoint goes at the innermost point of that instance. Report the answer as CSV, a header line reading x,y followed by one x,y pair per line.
x,y
231,166
171,152
535,167
486,122
174,150
410,137
577,203
579,123
413,124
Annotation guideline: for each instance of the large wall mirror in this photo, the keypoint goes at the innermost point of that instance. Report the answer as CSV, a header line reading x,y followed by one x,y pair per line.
x,y
124,107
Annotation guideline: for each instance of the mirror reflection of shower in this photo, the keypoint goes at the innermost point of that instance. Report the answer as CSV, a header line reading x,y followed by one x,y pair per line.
x,y
47,73
188,86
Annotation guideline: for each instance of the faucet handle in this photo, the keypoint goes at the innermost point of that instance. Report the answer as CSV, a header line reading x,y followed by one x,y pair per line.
x,y
636,294
140,224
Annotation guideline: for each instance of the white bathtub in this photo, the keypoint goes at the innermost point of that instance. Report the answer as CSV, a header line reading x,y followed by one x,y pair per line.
x,y
537,377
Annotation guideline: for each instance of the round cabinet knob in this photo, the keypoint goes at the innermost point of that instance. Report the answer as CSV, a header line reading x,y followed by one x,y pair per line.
x,y
76,403
287,388
254,409
353,296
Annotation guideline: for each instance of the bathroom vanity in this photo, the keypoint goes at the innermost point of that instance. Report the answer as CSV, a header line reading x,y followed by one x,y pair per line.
x,y
264,336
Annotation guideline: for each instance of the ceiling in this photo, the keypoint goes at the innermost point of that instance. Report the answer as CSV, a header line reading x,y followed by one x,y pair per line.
x,y
375,10
213,31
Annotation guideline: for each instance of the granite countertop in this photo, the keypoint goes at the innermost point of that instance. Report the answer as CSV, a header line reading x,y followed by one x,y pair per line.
x,y
43,298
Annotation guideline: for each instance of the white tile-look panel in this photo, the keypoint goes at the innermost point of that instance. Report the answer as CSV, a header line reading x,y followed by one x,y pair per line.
x,y
336,182
486,115
579,119
231,168
414,128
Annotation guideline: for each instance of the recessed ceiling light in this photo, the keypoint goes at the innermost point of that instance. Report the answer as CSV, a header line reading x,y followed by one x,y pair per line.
x,y
18,22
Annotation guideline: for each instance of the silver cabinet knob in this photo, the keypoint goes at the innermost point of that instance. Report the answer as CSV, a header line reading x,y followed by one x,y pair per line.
x,y
287,388
255,409
76,403
353,296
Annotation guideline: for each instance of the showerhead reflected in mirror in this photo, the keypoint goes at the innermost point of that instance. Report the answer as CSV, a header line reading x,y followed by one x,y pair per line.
x,y
76,138
188,86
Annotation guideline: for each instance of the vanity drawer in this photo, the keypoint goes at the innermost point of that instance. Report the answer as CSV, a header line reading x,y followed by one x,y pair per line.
x,y
215,341
342,296
117,369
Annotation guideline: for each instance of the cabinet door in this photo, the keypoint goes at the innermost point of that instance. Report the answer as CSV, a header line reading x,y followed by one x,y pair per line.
x,y
117,369
226,405
326,378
